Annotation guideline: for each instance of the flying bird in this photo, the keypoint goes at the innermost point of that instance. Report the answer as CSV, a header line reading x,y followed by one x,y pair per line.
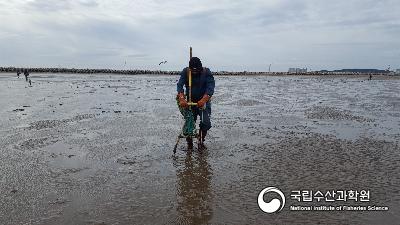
x,y
163,62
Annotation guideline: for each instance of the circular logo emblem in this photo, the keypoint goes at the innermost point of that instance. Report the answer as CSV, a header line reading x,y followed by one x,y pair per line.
x,y
275,205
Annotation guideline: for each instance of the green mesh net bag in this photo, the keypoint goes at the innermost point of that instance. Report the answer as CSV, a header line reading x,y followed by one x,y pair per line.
x,y
189,127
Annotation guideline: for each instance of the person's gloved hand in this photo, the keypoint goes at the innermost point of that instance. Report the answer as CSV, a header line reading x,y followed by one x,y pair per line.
x,y
203,101
182,101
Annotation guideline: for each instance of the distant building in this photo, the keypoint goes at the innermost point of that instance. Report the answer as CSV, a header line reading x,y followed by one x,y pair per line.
x,y
297,70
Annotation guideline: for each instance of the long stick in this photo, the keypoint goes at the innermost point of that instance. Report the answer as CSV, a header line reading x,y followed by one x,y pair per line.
x,y
190,103
190,78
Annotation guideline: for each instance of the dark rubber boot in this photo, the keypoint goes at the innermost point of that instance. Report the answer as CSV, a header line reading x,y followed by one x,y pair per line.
x,y
189,141
203,134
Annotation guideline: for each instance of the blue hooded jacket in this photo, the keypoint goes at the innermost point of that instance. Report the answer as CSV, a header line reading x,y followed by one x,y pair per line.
x,y
203,83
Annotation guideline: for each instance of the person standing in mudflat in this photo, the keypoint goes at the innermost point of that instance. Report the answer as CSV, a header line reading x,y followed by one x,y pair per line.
x,y
203,85
26,74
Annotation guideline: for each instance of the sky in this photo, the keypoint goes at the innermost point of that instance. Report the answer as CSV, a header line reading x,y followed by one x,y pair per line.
x,y
227,35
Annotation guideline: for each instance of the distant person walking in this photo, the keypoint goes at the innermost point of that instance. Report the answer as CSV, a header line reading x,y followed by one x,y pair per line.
x,y
26,74
18,73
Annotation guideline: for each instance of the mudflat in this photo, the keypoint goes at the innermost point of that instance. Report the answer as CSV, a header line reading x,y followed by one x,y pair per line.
x,y
97,149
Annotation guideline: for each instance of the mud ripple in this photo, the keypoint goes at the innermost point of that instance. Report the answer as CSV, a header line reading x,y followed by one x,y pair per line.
x,y
34,143
44,124
331,113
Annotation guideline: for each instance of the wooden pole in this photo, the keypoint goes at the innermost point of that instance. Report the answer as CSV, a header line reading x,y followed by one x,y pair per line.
x,y
190,78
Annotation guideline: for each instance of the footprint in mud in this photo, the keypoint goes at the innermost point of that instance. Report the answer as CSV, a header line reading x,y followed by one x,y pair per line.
x,y
221,98
126,161
43,124
246,102
34,143
133,161
59,201
74,170
82,117
96,223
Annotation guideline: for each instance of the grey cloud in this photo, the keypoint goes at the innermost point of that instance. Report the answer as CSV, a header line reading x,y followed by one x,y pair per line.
x,y
59,5
137,55
201,25
227,34
354,43
48,5
89,3
286,12
115,33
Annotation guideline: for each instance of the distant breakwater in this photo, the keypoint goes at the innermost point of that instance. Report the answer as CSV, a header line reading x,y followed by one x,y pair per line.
x,y
160,72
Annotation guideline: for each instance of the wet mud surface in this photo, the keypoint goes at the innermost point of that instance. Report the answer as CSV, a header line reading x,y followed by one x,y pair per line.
x,y
97,149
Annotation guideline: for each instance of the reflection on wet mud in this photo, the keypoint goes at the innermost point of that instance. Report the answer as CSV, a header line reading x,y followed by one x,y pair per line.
x,y
194,193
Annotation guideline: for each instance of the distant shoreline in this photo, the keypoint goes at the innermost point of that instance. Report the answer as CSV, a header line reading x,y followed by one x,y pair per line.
x,y
160,72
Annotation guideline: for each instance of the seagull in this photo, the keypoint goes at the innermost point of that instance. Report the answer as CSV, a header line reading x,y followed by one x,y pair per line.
x,y
163,62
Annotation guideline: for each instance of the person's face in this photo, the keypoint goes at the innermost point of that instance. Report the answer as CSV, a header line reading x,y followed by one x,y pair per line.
x,y
196,71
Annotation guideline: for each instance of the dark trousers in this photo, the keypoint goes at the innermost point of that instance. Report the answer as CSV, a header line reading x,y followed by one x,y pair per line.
x,y
204,114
